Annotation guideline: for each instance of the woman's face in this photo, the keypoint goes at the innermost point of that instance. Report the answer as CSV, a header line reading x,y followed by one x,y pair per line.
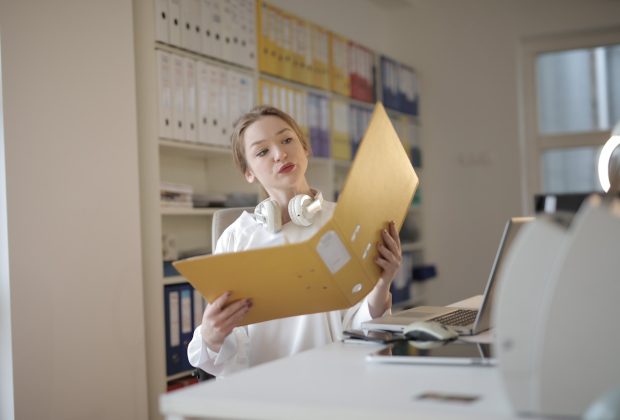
x,y
275,155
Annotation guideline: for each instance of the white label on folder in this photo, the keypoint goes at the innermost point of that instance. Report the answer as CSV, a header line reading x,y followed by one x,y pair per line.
x,y
186,311
333,252
175,330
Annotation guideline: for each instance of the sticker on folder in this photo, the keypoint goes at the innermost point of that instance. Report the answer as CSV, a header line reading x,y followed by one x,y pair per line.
x,y
335,268
333,252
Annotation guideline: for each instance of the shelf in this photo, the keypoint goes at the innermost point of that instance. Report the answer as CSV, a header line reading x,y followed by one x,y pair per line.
x,y
179,211
393,112
342,164
179,375
199,56
294,84
174,280
369,105
193,148
412,246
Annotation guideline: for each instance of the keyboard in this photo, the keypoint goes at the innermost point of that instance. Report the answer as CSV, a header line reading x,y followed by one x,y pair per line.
x,y
459,317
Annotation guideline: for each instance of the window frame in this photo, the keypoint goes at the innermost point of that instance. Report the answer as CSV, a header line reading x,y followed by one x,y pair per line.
x,y
533,143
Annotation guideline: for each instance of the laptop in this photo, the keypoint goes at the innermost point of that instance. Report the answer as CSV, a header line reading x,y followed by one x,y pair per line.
x,y
465,321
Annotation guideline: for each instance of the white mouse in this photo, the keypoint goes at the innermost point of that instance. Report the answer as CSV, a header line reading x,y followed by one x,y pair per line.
x,y
429,331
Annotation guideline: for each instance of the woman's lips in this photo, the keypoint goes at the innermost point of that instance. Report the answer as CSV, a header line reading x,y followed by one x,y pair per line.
x,y
286,168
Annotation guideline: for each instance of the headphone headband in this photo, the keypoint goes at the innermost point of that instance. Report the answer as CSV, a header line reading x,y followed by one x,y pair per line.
x,y
302,209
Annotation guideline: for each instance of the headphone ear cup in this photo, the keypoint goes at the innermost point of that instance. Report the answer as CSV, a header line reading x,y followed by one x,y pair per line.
x,y
297,210
268,213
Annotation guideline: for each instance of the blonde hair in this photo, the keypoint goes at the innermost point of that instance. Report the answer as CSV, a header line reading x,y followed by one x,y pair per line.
x,y
247,119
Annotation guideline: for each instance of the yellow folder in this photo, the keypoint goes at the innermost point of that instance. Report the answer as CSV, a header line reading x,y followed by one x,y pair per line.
x,y
335,268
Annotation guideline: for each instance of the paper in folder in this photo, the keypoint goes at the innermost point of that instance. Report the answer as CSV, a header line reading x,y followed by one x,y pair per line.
x,y
335,268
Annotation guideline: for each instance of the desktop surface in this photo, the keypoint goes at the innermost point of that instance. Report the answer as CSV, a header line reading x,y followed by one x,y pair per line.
x,y
335,381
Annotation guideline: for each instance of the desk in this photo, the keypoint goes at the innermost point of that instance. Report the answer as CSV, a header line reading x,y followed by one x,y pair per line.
x,y
336,382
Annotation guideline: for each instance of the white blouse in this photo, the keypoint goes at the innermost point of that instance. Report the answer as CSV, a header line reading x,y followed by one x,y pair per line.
x,y
262,342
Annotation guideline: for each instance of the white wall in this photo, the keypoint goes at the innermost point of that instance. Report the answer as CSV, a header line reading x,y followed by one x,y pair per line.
x,y
73,209
465,53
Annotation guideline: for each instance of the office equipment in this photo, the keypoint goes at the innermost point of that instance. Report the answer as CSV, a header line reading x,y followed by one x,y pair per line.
x,y
444,354
555,358
464,321
427,331
335,268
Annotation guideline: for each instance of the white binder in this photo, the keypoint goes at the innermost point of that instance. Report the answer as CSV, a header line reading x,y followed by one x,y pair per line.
x,y
191,22
207,37
178,101
222,101
204,106
161,20
235,31
217,106
227,31
164,73
189,96
211,14
251,49
246,98
233,82
174,22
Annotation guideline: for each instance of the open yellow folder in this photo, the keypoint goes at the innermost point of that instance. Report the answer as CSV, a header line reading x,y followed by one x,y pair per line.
x,y
335,268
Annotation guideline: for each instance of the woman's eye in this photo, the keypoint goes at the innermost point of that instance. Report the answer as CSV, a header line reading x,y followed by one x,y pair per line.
x,y
261,153
287,140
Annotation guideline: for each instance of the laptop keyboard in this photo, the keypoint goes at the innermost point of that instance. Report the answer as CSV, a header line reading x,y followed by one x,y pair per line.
x,y
459,317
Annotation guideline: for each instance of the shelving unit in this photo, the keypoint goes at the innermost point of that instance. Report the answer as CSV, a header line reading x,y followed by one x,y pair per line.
x,y
207,168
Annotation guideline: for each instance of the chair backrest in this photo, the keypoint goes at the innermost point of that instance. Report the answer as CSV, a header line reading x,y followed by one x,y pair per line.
x,y
222,219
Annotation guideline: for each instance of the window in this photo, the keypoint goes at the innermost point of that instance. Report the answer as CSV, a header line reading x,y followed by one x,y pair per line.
x,y
571,102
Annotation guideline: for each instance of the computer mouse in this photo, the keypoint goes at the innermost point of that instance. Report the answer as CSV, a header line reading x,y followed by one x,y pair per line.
x,y
425,331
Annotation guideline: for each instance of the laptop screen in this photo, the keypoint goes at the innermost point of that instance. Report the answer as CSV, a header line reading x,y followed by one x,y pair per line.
x,y
512,227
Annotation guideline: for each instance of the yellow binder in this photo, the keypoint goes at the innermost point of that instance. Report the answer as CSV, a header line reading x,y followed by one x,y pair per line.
x,y
335,268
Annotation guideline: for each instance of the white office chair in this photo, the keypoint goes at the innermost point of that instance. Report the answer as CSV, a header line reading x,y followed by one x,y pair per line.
x,y
221,220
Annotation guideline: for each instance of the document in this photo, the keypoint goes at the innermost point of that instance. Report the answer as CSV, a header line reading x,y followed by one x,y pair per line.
x,y
335,268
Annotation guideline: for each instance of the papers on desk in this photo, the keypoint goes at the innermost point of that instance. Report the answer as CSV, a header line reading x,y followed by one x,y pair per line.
x,y
335,268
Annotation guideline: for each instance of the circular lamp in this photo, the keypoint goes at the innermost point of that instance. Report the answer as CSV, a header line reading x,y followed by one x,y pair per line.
x,y
605,157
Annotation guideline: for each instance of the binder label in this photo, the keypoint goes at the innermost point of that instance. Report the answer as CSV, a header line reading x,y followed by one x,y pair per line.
x,y
333,252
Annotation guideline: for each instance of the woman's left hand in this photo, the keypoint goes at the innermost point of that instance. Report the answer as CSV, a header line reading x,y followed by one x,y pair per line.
x,y
390,254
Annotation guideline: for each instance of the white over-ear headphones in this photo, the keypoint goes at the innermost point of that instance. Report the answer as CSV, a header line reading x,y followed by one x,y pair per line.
x,y
302,208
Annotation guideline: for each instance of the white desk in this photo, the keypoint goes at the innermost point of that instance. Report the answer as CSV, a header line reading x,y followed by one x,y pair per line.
x,y
336,382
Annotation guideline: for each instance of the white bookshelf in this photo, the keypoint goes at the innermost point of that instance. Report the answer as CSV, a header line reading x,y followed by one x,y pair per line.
x,y
208,169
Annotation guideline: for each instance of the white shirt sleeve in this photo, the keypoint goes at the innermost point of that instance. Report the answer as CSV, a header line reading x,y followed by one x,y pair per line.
x,y
233,354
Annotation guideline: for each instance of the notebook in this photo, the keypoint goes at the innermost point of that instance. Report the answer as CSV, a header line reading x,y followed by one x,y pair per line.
x,y
464,320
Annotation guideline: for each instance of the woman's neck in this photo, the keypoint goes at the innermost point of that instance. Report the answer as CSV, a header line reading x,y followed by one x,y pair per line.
x,y
282,197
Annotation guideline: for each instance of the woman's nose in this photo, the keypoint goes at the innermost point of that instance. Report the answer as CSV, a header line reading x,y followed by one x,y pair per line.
x,y
279,154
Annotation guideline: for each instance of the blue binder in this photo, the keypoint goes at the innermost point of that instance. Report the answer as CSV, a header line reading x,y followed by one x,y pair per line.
x,y
172,314
187,322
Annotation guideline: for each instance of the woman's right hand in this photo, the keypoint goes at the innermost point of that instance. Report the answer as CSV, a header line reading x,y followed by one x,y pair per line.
x,y
219,319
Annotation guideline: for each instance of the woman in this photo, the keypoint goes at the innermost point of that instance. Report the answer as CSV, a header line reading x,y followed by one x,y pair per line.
x,y
269,148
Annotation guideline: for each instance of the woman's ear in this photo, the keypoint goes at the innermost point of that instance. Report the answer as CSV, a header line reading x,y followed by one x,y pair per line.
x,y
249,176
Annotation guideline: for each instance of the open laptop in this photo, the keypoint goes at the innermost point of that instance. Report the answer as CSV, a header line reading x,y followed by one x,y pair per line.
x,y
464,320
